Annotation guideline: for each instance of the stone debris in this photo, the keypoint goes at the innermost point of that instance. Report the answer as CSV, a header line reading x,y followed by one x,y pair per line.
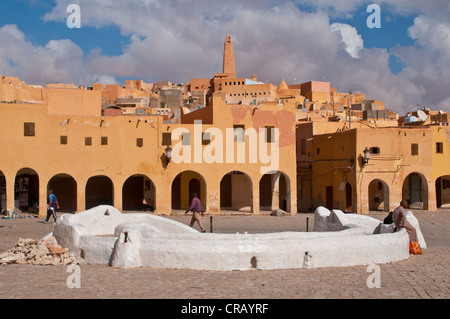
x,y
278,212
39,252
17,213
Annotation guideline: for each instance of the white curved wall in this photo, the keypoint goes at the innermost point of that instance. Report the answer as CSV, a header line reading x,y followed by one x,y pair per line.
x,y
133,240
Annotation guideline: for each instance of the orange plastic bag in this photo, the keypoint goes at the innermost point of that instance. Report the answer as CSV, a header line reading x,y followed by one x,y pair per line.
x,y
414,248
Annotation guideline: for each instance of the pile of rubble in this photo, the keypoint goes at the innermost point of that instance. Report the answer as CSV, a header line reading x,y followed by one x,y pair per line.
x,y
39,252
17,213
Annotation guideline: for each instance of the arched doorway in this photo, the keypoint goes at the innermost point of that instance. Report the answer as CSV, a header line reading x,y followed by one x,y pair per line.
x,y
236,192
138,193
274,192
183,186
2,191
64,187
26,190
265,192
99,191
194,188
378,195
443,191
348,197
415,191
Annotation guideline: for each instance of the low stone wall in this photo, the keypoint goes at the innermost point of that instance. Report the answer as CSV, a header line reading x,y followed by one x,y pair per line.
x,y
104,235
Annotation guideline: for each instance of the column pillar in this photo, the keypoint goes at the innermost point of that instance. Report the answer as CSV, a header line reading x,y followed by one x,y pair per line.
x,y
10,183
276,190
43,193
81,196
255,197
117,193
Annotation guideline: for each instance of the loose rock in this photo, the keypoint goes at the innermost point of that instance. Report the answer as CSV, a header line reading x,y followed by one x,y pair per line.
x,y
39,252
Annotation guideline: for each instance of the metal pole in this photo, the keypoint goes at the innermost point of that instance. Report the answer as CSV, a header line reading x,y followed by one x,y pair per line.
x,y
210,224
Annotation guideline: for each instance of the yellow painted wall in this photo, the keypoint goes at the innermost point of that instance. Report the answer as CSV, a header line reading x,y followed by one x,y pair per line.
x,y
74,102
393,165
121,157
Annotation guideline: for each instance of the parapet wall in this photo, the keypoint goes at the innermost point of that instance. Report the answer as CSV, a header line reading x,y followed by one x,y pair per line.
x,y
104,235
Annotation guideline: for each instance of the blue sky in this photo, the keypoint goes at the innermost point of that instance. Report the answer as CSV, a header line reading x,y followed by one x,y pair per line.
x,y
28,16
177,40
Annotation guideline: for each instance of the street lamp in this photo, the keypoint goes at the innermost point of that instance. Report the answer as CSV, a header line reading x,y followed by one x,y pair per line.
x,y
366,156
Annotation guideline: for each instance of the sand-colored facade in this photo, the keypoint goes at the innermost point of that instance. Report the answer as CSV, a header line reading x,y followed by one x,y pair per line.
x,y
405,163
93,159
59,137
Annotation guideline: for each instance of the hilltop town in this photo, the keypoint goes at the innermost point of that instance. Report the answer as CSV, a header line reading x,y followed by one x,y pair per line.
x,y
119,145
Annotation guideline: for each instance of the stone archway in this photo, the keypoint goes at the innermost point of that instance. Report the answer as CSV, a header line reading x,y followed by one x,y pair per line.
x,y
99,191
274,192
378,195
183,185
2,191
26,189
138,193
64,187
442,185
415,191
236,192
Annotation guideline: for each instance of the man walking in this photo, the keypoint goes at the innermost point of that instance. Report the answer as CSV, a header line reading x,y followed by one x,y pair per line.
x,y
196,209
52,205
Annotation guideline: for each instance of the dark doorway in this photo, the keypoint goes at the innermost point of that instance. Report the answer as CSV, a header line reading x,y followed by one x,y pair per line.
x,y
194,187
225,192
348,198
26,190
138,193
176,193
99,191
65,189
329,197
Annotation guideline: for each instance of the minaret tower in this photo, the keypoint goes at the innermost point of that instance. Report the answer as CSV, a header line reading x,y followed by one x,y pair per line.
x,y
229,66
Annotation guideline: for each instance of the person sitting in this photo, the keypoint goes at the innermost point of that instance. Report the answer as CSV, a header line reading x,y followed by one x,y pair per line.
x,y
400,221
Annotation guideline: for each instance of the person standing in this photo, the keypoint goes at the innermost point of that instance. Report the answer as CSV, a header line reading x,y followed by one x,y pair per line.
x,y
196,209
400,220
52,205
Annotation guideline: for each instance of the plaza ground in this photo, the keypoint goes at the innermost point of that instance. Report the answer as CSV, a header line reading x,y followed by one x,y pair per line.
x,y
424,276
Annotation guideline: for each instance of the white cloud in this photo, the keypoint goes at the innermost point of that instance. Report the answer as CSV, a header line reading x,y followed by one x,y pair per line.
x,y
350,37
182,39
57,61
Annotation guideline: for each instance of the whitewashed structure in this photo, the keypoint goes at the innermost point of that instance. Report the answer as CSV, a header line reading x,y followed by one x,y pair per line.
x,y
104,235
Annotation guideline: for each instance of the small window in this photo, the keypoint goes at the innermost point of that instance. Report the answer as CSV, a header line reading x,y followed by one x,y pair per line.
x,y
380,185
270,134
28,129
375,150
63,140
139,142
104,140
186,139
167,139
239,133
439,147
318,151
414,149
88,141
206,138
